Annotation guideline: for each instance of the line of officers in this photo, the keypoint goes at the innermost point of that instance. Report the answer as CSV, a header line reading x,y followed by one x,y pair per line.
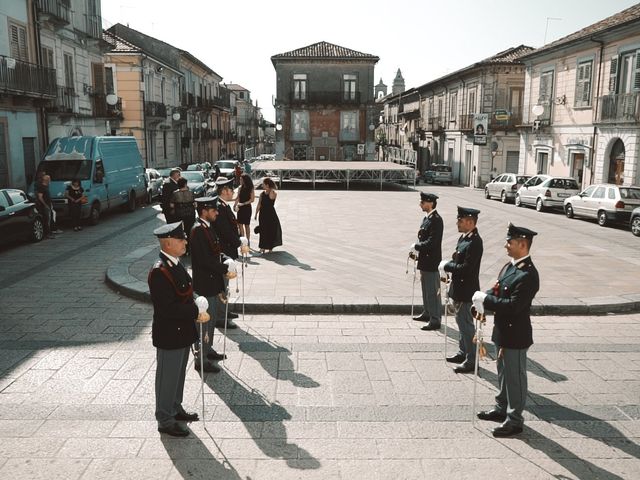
x,y
180,303
510,300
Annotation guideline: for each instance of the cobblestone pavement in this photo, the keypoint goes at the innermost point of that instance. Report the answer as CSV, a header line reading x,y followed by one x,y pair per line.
x,y
307,396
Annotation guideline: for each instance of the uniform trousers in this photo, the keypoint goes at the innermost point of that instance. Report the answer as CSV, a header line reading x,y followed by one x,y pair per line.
x,y
209,328
431,302
171,367
467,330
512,381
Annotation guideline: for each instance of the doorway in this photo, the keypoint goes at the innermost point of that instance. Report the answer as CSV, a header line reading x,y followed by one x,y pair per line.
x,y
577,166
616,163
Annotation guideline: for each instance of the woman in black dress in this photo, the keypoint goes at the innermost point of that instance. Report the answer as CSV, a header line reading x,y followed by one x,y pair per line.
x,y
245,198
270,230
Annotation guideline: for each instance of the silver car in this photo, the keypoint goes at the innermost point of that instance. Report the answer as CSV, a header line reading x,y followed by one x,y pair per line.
x,y
505,186
635,222
606,202
154,183
546,191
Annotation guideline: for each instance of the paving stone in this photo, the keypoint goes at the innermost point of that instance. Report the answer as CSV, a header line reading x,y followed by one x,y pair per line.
x,y
44,468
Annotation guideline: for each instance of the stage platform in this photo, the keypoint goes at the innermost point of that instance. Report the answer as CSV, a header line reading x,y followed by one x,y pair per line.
x,y
325,171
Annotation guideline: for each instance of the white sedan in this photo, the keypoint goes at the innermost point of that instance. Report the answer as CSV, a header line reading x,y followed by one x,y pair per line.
x,y
546,191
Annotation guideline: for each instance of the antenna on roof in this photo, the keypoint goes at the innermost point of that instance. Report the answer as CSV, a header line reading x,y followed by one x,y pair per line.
x,y
546,28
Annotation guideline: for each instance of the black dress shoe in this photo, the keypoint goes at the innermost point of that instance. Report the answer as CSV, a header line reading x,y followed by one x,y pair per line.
x,y
208,367
186,417
232,315
175,430
506,431
215,356
431,326
421,318
457,358
464,368
492,416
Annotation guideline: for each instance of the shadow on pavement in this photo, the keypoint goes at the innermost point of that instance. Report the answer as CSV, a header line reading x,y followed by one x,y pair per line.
x,y
250,405
285,258
579,422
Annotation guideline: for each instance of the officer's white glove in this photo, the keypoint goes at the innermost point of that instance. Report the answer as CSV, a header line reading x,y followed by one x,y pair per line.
x,y
478,301
412,247
243,241
203,304
231,265
443,274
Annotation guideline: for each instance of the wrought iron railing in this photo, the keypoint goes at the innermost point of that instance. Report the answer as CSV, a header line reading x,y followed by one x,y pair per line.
x,y
28,79
64,102
102,109
58,9
155,110
325,97
619,108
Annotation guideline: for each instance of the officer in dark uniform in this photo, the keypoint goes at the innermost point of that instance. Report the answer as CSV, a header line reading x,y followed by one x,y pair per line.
x,y
168,187
173,329
465,270
226,226
209,266
429,248
511,299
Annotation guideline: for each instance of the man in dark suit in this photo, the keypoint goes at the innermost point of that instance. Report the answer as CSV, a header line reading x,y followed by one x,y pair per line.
x,y
226,226
210,266
168,187
510,299
173,328
465,271
429,248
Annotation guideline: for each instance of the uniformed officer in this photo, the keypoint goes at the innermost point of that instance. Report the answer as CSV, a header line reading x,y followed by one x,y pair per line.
x,y
465,270
168,187
226,226
209,266
173,329
510,299
429,248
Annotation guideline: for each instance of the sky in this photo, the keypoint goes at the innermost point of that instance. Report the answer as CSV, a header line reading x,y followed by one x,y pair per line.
x,y
426,39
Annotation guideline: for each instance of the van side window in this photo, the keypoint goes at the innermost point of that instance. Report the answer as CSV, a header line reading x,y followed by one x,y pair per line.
x,y
99,175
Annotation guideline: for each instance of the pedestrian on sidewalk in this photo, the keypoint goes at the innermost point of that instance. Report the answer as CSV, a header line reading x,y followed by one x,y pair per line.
x,y
429,248
210,266
173,330
75,194
465,280
246,196
182,205
44,204
168,187
269,223
510,299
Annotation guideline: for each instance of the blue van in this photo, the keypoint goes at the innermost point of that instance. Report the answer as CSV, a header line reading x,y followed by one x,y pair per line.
x,y
110,170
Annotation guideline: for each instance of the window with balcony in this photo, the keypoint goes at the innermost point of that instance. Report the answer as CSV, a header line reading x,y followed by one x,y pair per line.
x,y
349,130
453,106
299,86
471,102
48,60
584,72
18,42
350,85
545,94
300,125
68,71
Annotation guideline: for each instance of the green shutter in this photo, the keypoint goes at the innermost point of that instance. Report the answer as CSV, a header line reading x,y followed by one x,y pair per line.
x,y
636,72
613,75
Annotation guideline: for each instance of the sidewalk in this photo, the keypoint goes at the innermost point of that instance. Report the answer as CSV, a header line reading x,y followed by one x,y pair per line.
x,y
336,261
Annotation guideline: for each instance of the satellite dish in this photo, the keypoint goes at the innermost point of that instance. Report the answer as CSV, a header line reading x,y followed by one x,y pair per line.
x,y
537,110
111,99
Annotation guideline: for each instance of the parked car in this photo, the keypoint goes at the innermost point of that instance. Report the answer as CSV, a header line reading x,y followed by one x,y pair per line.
x,y
546,191
505,186
635,222
109,168
19,218
606,202
227,167
195,167
438,173
196,182
165,172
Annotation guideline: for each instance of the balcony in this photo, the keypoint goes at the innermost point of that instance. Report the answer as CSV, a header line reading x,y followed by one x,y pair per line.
x,y
435,124
222,102
188,100
620,108
182,111
466,122
64,102
55,11
26,79
93,26
324,98
155,110
102,109
505,118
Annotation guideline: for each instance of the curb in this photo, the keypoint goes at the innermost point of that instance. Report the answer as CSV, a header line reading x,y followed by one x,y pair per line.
x,y
120,279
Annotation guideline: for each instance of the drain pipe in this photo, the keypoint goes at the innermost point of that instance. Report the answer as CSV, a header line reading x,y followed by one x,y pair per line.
x,y
594,135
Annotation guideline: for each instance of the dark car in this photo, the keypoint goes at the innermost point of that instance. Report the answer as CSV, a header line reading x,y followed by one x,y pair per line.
x,y
19,219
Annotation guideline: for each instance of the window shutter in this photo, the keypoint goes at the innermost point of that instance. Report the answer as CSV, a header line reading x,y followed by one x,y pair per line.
x,y
98,77
636,73
14,40
613,75
579,86
22,35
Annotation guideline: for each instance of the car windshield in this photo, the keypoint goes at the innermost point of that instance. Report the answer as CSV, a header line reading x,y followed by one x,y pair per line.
x,y
65,170
193,177
226,164
630,193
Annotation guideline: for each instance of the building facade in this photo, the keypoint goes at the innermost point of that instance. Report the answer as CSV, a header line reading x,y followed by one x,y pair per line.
x,y
583,94
247,122
325,104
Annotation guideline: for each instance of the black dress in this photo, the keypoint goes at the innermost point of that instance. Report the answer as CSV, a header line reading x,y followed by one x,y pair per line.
x,y
270,230
245,211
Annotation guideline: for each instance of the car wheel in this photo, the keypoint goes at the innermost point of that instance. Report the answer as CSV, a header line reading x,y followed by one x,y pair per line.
x,y
603,221
568,210
539,205
517,201
37,230
486,194
503,197
131,202
635,226
94,215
